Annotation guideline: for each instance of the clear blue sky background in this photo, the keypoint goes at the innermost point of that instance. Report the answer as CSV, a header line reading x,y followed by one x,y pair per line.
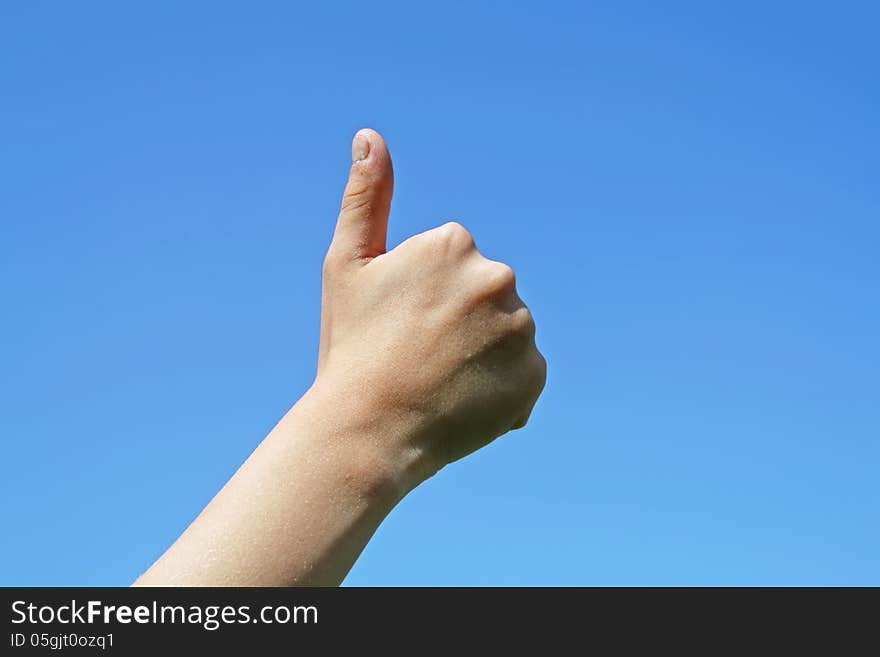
x,y
689,196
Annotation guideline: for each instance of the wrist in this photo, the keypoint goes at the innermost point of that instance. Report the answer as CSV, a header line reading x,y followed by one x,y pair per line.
x,y
374,450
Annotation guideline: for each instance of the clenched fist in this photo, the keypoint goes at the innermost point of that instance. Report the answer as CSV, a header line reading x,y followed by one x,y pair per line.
x,y
431,335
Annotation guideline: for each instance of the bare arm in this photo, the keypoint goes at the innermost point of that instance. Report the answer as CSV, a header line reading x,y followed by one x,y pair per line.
x,y
427,353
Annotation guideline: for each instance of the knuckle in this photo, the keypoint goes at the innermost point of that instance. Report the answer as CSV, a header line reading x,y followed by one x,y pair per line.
x,y
519,336
540,371
505,277
522,322
456,235
537,377
499,278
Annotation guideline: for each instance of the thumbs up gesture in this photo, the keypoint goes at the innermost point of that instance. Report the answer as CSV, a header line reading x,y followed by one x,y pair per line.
x,y
429,341
427,353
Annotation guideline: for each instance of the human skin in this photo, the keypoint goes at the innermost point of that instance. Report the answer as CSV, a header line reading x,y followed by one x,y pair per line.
x,y
426,354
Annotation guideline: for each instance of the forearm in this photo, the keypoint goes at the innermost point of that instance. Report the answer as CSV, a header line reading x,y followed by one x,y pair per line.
x,y
302,507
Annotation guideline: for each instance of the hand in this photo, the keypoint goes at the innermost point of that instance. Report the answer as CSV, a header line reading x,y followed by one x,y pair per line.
x,y
430,337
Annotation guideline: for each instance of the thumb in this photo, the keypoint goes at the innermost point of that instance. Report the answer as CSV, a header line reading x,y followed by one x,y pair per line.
x,y
363,220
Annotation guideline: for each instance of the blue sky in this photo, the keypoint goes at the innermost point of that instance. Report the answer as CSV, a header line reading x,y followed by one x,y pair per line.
x,y
689,196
